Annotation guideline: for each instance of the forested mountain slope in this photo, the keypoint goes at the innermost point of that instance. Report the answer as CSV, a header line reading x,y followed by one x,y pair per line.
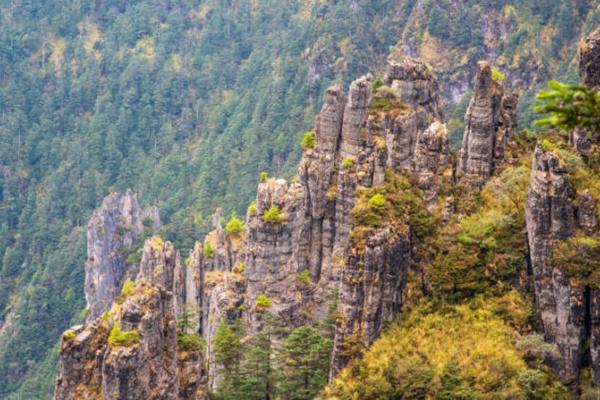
x,y
186,102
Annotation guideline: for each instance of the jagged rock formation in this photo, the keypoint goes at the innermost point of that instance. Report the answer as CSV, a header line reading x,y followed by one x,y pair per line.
x,y
550,217
114,226
152,367
566,304
361,140
490,122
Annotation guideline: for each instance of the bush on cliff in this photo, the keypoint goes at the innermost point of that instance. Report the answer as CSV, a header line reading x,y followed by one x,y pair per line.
x,y
118,337
273,215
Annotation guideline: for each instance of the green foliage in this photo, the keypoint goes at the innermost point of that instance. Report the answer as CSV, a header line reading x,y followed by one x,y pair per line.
x,y
305,359
497,75
580,257
273,215
235,225
308,141
377,201
347,163
252,209
304,277
119,338
69,336
208,250
241,267
438,25
262,301
187,320
189,342
120,230
568,107
263,177
452,352
377,83
127,290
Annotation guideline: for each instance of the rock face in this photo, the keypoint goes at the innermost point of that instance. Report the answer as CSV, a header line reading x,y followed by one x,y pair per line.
x,y
550,217
152,367
116,225
490,122
589,60
296,249
567,306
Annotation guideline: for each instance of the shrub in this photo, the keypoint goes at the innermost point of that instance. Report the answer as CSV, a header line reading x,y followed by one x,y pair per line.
x,y
69,336
377,201
263,176
262,301
123,339
241,267
127,290
189,341
497,75
308,141
252,209
273,215
377,83
208,250
235,226
120,230
304,277
387,92
348,163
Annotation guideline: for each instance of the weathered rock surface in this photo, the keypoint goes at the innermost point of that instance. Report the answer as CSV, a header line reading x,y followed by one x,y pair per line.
x,y
116,225
550,217
589,60
152,367
490,122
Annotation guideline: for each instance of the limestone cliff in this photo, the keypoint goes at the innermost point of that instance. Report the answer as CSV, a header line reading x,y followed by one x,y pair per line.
x,y
115,225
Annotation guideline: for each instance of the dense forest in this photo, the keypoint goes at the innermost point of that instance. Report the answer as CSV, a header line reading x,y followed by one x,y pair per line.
x,y
186,102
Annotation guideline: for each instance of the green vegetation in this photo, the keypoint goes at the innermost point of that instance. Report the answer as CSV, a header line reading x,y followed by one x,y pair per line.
x,y
240,268
235,226
253,368
347,163
273,215
304,277
458,352
568,107
118,338
580,256
127,290
69,336
308,141
377,83
189,342
252,209
262,301
497,75
208,250
263,177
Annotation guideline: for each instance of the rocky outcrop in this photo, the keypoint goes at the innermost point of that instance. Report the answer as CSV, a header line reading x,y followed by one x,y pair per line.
x,y
550,217
589,60
296,250
98,361
113,227
490,122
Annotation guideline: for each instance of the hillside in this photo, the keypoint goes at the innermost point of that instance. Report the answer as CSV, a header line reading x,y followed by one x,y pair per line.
x,y
187,102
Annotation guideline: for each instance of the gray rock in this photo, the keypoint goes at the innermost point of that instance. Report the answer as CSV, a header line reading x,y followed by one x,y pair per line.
x,y
113,227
